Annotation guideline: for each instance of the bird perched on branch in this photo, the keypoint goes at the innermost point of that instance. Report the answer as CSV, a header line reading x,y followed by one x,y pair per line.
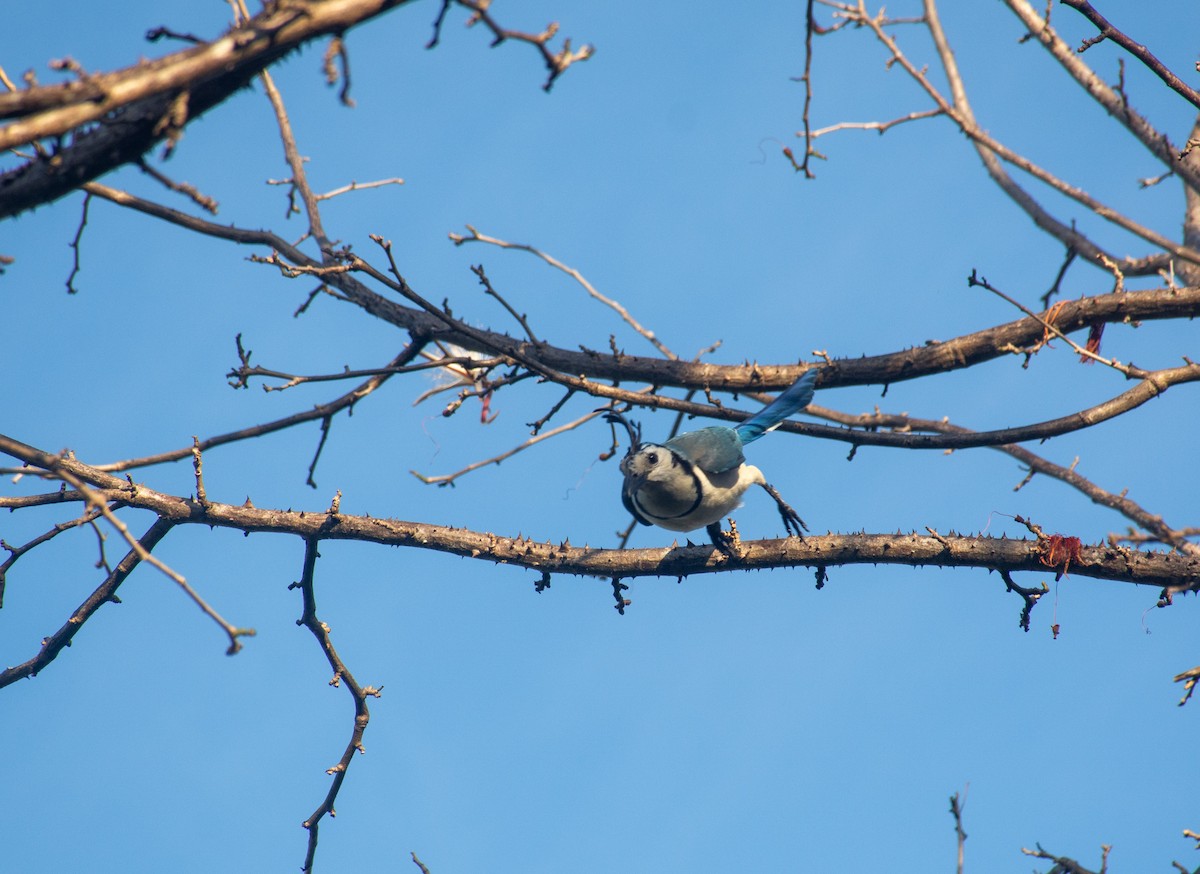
x,y
696,479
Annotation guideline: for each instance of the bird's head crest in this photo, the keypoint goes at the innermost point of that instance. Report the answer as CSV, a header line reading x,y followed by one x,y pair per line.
x,y
635,431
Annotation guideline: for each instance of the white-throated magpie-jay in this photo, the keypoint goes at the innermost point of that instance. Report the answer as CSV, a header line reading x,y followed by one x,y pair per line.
x,y
696,479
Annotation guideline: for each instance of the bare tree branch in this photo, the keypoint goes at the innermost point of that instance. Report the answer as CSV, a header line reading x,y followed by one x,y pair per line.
x,y
1139,51
341,674
105,592
1105,561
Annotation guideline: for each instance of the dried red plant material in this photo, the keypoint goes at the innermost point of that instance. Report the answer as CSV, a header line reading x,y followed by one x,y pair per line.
x,y
1062,551
1095,332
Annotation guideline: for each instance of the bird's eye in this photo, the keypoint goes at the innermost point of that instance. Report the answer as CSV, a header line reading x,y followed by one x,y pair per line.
x,y
652,457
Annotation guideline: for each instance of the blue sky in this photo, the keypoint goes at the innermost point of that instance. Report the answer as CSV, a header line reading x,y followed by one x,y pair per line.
x,y
740,721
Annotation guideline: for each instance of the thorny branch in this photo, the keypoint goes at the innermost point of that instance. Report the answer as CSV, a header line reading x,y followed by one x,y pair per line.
x,y
341,674
149,104
1102,561
933,357
100,503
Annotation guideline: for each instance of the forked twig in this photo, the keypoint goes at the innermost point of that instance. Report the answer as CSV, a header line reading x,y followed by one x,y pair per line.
x,y
341,674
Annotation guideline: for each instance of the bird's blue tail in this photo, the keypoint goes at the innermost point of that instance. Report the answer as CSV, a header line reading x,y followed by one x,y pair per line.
x,y
797,397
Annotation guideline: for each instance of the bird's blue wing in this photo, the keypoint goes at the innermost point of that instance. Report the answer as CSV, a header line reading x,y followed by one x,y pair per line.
x,y
797,397
713,450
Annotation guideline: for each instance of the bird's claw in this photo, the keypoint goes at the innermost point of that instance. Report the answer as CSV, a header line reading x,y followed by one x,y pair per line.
x,y
729,542
792,523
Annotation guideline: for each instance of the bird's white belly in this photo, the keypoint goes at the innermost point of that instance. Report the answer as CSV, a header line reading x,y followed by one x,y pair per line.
x,y
721,495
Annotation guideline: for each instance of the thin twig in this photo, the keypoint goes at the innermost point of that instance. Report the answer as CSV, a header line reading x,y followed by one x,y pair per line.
x,y
881,126
15,552
1139,51
556,62
476,237
521,318
74,244
296,163
359,186
341,674
104,593
449,478
975,280
203,201
92,500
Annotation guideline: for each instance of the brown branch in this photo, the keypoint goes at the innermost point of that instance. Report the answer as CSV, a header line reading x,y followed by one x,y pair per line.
x,y
117,117
1036,464
449,478
15,552
250,46
464,363
810,27
359,186
881,126
989,149
321,412
956,808
1156,142
127,108
105,592
1139,51
934,357
203,201
341,674
650,336
93,500
74,244
556,62
291,153
1102,561
1063,864
1189,679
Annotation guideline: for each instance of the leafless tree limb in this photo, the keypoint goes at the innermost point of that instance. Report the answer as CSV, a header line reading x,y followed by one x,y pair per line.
x,y
105,592
1139,51
1104,561
1155,141
341,674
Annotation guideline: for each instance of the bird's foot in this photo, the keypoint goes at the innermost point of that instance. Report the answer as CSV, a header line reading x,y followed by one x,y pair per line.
x,y
792,523
729,542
